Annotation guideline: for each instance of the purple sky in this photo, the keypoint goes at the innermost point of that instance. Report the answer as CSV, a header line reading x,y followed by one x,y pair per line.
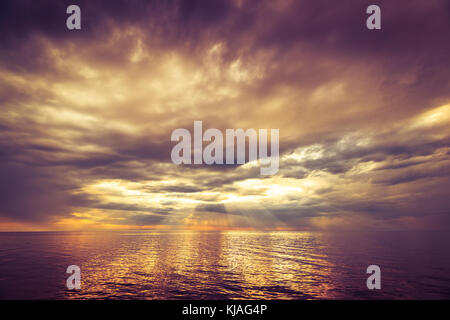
x,y
86,116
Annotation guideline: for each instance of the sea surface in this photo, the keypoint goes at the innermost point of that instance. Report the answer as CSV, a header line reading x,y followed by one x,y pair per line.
x,y
224,265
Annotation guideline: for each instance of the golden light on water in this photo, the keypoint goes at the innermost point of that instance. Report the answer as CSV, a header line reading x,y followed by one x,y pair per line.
x,y
268,265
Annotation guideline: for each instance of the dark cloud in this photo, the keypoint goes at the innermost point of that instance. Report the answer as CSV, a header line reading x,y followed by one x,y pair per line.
x,y
97,204
218,208
144,220
77,110
181,189
414,175
36,194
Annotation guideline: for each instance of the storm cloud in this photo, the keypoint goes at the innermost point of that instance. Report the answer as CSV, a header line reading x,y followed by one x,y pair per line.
x,y
86,116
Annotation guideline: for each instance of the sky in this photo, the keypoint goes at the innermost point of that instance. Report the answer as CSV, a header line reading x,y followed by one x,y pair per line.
x,y
86,115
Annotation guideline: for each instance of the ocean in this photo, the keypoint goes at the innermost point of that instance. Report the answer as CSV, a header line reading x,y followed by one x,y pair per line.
x,y
224,265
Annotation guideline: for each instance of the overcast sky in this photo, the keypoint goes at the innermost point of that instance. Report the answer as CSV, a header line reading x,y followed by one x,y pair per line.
x,y
86,116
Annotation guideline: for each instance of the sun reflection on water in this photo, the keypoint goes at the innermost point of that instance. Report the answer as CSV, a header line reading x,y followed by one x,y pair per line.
x,y
213,264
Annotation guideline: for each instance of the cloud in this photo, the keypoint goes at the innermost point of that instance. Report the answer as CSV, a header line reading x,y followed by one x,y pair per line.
x,y
86,116
218,208
144,220
28,193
